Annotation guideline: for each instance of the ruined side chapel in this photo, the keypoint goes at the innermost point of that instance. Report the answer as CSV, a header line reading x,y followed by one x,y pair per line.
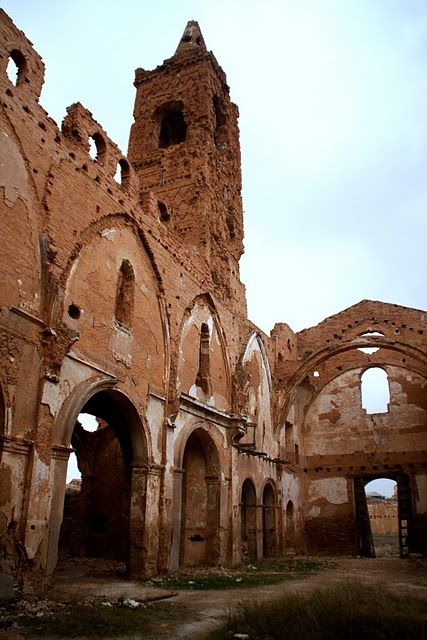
x,y
121,299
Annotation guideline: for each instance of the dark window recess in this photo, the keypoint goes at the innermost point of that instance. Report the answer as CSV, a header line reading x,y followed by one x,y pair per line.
x,y
164,214
203,375
220,122
125,295
197,538
172,125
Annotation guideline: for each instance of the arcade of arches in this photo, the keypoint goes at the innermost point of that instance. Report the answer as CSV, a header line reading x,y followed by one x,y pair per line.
x,y
215,443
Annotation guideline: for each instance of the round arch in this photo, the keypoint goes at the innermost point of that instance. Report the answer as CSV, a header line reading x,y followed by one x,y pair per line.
x,y
127,442
116,401
200,499
327,354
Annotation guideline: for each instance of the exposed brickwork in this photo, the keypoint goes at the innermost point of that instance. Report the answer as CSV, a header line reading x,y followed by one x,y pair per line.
x,y
121,298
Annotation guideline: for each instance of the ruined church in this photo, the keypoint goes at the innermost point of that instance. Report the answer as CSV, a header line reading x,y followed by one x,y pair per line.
x,y
121,298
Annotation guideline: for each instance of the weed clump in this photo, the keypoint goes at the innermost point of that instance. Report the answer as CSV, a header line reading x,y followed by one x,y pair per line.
x,y
348,610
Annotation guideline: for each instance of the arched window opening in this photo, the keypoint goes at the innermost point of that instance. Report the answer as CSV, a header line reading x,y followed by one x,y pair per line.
x,y
163,212
16,67
375,390
122,173
382,504
220,122
125,295
203,374
172,125
97,147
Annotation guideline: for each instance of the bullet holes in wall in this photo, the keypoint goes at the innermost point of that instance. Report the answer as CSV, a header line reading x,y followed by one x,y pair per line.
x,y
74,311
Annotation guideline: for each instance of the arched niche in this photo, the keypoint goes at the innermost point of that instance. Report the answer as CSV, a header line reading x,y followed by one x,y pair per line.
x,y
256,393
203,369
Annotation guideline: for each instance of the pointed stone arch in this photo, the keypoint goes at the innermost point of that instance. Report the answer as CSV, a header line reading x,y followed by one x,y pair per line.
x,y
204,372
253,390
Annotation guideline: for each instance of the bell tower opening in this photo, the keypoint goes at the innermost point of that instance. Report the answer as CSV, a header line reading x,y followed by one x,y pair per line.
x,y
172,125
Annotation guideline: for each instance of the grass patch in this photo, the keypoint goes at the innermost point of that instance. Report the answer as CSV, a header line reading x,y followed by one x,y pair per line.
x,y
263,572
97,621
348,610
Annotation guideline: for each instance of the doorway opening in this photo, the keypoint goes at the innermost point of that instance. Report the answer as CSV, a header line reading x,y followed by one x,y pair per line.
x,y
290,526
381,496
200,501
383,510
269,521
248,521
97,498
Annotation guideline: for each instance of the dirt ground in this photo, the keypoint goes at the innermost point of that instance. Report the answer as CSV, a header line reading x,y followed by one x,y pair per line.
x,y
202,611
208,608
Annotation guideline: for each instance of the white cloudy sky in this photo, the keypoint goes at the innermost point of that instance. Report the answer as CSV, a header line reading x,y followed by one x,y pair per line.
x,y
333,103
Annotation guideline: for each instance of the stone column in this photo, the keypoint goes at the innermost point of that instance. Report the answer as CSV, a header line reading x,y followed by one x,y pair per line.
x,y
152,518
15,457
58,477
213,518
138,497
176,518
259,530
144,519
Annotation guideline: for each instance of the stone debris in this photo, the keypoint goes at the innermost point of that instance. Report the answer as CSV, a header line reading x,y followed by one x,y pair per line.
x,y
130,603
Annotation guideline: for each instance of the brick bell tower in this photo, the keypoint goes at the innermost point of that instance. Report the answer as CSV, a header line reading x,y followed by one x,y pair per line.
x,y
184,146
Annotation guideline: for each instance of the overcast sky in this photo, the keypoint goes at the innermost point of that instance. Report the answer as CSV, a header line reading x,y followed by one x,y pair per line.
x,y
333,104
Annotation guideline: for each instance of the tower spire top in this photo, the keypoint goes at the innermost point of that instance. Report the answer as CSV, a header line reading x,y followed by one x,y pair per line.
x,y
192,39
